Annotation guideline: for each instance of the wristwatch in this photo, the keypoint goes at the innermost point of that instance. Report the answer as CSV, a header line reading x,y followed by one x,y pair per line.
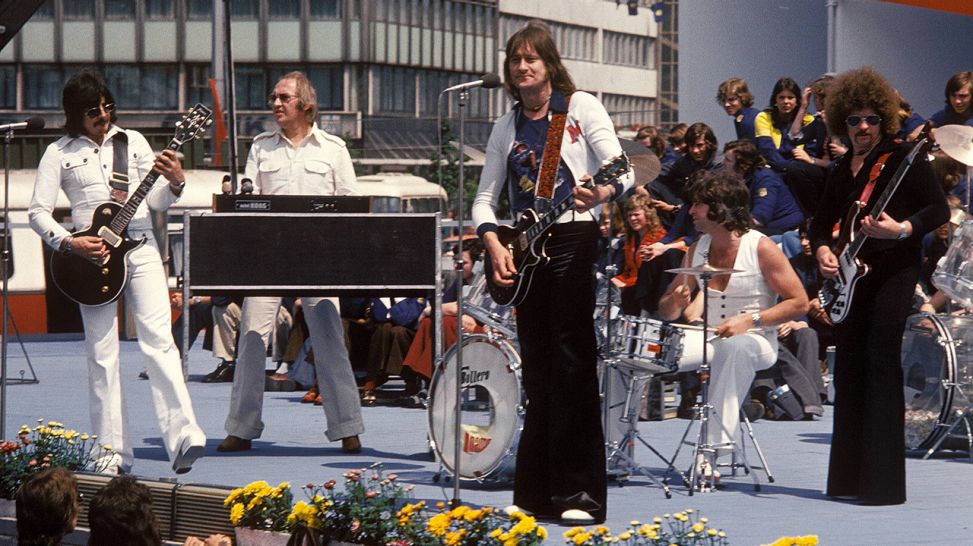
x,y
755,317
902,233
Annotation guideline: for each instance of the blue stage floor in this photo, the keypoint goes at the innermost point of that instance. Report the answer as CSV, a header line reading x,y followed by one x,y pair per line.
x,y
293,448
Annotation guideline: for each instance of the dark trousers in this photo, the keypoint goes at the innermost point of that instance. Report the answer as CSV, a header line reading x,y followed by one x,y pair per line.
x,y
200,318
868,444
653,280
562,446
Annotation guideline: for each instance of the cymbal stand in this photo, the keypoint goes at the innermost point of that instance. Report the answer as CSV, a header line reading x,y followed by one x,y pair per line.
x,y
704,412
963,416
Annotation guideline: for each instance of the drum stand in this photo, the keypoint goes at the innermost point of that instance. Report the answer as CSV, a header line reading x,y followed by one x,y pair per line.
x,y
705,411
620,455
964,416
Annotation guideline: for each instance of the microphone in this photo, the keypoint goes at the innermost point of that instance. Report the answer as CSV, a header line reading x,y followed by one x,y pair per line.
x,y
487,81
226,185
32,124
246,186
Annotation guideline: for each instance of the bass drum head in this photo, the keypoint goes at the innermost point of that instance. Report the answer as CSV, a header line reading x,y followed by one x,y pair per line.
x,y
954,275
492,409
931,358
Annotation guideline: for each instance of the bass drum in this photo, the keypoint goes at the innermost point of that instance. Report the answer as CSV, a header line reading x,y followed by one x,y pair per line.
x,y
937,367
493,404
954,274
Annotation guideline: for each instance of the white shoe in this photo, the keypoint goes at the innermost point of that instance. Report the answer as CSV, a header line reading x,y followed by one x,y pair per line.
x,y
189,451
110,464
706,469
513,509
576,517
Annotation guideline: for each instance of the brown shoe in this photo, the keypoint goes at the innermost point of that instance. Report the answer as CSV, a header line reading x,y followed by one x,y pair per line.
x,y
310,395
318,401
233,443
351,444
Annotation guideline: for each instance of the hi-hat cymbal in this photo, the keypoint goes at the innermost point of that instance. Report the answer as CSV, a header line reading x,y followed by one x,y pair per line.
x,y
705,269
957,142
644,162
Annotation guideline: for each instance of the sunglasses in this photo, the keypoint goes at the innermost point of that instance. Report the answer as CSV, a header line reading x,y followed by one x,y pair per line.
x,y
284,98
855,121
96,111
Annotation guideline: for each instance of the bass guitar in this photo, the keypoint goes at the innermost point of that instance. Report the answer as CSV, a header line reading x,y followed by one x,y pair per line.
x,y
526,239
100,282
836,293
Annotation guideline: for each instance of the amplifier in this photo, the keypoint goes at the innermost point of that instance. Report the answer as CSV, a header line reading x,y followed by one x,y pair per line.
x,y
300,203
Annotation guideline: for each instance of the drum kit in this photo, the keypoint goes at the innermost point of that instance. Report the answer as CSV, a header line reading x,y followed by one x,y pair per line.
x,y
937,350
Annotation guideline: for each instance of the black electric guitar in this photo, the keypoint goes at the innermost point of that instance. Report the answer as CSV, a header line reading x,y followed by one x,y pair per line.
x,y
526,238
836,293
99,282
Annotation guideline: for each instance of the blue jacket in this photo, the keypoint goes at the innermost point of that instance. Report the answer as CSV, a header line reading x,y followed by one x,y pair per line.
x,y
948,116
772,203
743,122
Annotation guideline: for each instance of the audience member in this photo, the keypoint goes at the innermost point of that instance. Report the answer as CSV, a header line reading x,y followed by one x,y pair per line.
x,y
735,97
777,143
772,204
395,328
667,189
910,123
958,110
612,229
675,145
47,507
649,137
642,228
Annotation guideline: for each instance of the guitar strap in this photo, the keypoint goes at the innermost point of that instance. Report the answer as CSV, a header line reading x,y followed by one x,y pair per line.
x,y
544,189
872,177
119,175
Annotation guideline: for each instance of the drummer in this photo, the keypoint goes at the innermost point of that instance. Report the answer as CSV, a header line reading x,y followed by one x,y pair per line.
x,y
745,307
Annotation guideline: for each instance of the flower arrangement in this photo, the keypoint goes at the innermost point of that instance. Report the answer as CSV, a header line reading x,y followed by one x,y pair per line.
x,y
48,445
682,528
260,506
465,526
809,540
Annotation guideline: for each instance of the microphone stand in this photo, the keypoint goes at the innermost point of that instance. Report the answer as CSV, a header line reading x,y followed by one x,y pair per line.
x,y
4,269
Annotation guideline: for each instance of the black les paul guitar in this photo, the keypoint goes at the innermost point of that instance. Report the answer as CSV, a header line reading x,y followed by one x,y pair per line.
x,y
99,282
526,238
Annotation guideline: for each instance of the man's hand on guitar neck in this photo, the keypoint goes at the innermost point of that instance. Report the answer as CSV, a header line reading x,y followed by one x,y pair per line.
x,y
501,259
168,165
590,197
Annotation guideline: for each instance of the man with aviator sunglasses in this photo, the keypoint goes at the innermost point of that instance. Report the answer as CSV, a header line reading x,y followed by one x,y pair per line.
x,y
83,165
868,445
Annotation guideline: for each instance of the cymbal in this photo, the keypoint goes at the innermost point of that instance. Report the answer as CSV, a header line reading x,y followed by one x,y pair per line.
x,y
644,162
705,269
957,142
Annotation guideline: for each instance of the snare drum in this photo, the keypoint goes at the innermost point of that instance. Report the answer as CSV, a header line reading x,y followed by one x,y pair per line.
x,y
937,368
492,409
954,276
657,347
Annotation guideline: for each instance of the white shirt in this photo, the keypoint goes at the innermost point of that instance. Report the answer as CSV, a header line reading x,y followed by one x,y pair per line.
x,y
317,165
82,169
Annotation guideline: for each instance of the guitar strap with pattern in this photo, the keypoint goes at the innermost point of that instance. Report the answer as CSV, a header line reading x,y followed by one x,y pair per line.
x,y
544,189
119,175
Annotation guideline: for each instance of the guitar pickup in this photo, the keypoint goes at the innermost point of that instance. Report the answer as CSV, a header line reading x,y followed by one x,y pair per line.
x,y
109,236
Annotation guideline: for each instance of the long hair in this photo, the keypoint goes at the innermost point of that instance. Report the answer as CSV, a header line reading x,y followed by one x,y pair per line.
x,y
700,129
83,90
783,84
642,202
860,89
956,82
656,143
121,513
746,157
47,505
306,94
727,197
735,87
537,36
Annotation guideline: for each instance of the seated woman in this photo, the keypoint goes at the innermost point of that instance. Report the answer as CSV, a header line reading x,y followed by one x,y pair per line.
x,y
779,144
642,229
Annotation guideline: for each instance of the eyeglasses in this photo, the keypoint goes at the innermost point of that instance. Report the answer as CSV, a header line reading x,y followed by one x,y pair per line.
x,y
855,121
284,98
96,111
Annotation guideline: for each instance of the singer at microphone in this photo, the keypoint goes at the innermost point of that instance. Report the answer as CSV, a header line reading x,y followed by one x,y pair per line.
x,y
31,124
486,81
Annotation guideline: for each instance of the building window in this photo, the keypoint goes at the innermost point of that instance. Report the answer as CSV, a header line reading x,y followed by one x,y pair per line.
x,y
160,9
42,87
8,87
628,50
325,9
395,89
197,84
160,87
328,81
246,9
45,12
626,110
78,10
199,9
251,87
117,10
284,9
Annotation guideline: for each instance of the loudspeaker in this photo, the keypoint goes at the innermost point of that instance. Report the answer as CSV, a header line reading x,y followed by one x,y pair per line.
x,y
182,509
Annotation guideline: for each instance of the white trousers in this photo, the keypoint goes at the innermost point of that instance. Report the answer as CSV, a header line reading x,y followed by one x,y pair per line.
x,y
734,362
226,324
147,298
336,381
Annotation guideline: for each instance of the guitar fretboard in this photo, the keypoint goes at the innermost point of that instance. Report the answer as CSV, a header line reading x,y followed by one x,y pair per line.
x,y
124,216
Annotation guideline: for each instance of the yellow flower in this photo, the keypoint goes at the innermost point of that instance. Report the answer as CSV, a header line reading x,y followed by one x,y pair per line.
x,y
711,532
236,513
232,496
601,530
438,524
573,531
496,533
698,527
625,536
581,538
524,526
542,533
